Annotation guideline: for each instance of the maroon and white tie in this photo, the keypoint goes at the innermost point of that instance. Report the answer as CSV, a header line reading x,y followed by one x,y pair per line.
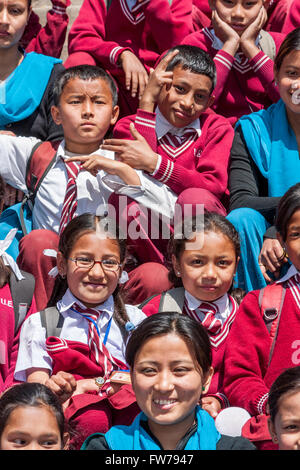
x,y
70,201
178,140
210,322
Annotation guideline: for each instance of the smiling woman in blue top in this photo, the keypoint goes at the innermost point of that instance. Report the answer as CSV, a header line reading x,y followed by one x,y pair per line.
x,y
169,356
264,165
26,79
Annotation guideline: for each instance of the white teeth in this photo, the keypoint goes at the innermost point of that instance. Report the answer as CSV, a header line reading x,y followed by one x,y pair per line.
x,y
164,402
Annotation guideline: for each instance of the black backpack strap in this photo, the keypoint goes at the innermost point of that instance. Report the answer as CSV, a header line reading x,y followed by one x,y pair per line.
x,y
22,294
52,321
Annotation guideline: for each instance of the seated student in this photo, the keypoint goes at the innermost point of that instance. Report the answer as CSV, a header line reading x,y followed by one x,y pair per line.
x,y
204,262
85,100
32,418
243,54
176,140
126,37
283,405
48,40
264,339
264,164
26,114
91,329
170,366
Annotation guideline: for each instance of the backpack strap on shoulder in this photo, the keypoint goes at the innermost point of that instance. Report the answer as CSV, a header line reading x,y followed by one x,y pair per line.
x,y
267,44
41,160
172,300
271,300
22,294
52,321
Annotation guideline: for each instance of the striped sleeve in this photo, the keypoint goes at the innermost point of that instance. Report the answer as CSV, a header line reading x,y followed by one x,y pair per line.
x,y
263,67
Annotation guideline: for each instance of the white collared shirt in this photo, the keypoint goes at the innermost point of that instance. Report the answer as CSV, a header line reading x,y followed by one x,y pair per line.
x,y
32,347
292,271
223,304
163,126
92,192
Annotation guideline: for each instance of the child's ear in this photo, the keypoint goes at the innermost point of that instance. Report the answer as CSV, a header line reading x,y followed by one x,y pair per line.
x,y
61,264
176,266
207,380
115,115
210,101
56,115
272,432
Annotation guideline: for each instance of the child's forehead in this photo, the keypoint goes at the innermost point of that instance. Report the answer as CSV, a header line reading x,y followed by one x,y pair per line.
x,y
199,80
95,86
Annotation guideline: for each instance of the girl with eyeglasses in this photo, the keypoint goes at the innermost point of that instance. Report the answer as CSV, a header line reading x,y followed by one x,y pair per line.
x,y
78,362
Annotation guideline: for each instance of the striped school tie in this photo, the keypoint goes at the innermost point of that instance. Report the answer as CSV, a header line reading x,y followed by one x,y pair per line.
x,y
70,201
210,322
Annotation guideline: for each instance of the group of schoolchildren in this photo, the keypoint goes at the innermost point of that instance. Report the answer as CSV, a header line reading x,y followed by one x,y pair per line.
x,y
141,333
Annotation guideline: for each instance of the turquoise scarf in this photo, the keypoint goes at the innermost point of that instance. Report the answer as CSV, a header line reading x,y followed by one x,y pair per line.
x,y
273,147
22,92
134,437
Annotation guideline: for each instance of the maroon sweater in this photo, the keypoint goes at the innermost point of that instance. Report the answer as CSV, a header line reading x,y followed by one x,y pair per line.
x,y
201,163
248,376
150,30
242,87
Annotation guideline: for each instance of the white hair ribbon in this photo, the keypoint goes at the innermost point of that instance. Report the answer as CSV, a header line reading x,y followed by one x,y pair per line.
x,y
8,259
123,278
53,253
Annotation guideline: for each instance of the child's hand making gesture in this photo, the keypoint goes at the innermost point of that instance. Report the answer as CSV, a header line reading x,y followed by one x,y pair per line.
x,y
157,79
94,163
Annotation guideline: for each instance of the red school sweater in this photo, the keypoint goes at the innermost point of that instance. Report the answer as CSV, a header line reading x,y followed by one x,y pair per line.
x,y
151,29
248,376
201,162
243,86
218,344
9,342
50,39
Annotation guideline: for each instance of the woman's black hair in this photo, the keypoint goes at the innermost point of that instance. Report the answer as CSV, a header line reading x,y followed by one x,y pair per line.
x,y
31,394
195,60
288,204
288,382
290,43
184,232
5,271
83,72
191,331
86,223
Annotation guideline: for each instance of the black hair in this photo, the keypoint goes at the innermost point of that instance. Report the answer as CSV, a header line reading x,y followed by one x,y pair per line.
x,y
209,222
191,331
290,43
288,204
76,228
195,60
288,382
31,394
5,271
84,72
